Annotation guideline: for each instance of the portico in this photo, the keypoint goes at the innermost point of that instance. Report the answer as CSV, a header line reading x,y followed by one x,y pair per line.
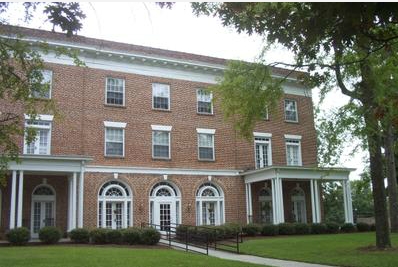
x,y
281,193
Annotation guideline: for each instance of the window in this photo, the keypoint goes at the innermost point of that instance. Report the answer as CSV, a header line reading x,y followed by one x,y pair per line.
x,y
293,151
204,98
161,96
115,91
41,143
206,144
114,139
161,141
298,205
291,110
209,205
265,203
42,89
262,146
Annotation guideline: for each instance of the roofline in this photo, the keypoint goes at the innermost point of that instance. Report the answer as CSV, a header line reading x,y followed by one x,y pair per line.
x,y
335,169
57,157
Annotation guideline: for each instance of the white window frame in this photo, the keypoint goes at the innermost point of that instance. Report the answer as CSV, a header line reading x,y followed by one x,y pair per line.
x,y
168,97
207,132
269,150
50,82
197,102
161,128
218,199
40,117
106,92
296,142
119,126
295,107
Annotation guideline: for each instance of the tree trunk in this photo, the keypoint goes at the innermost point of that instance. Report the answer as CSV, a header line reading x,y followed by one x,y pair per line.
x,y
392,178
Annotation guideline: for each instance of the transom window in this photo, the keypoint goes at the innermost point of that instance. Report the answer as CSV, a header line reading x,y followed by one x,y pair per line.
x,y
42,88
293,152
161,144
291,110
204,99
161,96
42,141
206,146
209,205
262,151
43,191
115,88
114,141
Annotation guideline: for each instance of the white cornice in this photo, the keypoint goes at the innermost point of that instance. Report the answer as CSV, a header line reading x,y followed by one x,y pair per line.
x,y
114,124
165,128
40,117
205,131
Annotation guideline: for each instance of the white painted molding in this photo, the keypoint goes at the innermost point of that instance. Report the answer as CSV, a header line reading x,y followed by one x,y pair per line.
x,y
41,117
161,128
292,136
205,131
258,134
115,124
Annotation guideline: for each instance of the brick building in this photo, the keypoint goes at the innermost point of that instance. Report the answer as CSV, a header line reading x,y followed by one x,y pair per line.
x,y
139,140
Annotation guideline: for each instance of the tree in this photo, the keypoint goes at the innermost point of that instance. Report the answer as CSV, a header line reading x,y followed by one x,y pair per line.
x,y
351,46
21,76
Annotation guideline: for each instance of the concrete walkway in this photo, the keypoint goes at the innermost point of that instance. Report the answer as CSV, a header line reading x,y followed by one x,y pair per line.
x,y
241,257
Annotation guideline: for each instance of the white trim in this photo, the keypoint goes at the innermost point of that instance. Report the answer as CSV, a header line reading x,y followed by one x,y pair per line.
x,y
295,110
258,134
20,199
205,131
163,128
13,199
212,143
169,144
168,96
106,92
105,141
38,198
40,117
292,136
197,102
113,124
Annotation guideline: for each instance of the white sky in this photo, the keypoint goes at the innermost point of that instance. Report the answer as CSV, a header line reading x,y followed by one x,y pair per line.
x,y
178,29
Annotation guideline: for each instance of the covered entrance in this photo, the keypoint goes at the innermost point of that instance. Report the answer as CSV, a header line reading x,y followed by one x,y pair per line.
x,y
43,209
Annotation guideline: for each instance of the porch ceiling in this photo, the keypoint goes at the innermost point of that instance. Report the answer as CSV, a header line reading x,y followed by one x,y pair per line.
x,y
296,172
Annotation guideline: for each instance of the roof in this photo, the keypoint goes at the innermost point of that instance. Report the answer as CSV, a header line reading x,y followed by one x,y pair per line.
x,y
99,44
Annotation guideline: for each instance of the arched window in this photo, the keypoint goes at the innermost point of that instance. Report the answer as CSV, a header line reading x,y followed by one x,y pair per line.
x,y
209,205
43,208
164,205
265,201
114,205
298,205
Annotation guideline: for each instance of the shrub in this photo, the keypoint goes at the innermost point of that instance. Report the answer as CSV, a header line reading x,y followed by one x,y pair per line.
x,y
18,236
286,229
132,236
114,236
50,234
302,228
318,228
270,230
80,235
332,228
363,227
251,229
209,232
98,236
150,236
372,227
348,228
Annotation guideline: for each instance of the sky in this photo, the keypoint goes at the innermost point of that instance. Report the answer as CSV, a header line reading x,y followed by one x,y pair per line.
x,y
178,29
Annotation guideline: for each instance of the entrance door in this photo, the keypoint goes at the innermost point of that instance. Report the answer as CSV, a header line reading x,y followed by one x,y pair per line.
x,y
114,215
42,216
209,213
299,211
165,214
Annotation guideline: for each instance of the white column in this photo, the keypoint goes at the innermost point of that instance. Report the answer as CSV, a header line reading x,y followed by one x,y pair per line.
x,y
317,202
69,204
349,218
13,196
280,195
74,196
275,211
314,215
81,200
103,223
249,203
20,199
125,214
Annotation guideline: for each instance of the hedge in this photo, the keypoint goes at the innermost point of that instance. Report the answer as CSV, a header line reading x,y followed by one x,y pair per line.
x,y
348,228
251,229
270,230
80,235
18,236
50,235
286,229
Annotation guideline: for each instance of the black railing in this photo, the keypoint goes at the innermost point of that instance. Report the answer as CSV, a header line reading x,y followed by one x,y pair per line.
x,y
192,238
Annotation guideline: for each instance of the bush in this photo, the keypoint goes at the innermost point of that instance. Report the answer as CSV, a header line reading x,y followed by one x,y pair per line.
x,y
270,230
251,229
18,236
318,228
80,235
332,228
348,228
372,227
50,235
363,227
114,237
286,229
132,236
302,228
99,236
150,236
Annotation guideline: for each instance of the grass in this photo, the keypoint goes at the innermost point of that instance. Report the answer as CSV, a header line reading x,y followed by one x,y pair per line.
x,y
91,256
340,249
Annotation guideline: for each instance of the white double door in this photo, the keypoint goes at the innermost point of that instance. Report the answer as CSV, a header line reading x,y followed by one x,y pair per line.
x,y
43,214
114,214
164,213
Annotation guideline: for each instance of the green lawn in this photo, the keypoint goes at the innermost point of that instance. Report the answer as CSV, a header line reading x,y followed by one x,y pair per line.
x,y
340,249
83,256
